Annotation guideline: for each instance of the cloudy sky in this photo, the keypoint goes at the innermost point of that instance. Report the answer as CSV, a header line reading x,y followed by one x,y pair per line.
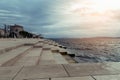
x,y
63,18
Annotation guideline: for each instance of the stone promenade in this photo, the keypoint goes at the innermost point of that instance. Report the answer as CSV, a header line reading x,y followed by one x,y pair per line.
x,y
42,59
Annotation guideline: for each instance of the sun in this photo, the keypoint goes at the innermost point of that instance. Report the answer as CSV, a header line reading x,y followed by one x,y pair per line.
x,y
91,11
105,5
95,6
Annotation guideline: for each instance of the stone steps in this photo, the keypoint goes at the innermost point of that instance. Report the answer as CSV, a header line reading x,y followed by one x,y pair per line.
x,y
10,44
8,73
40,53
47,58
30,59
47,46
39,45
7,49
43,61
12,56
60,59
69,59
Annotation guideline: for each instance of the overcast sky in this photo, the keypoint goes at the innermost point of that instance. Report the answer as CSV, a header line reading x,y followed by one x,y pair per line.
x,y
63,18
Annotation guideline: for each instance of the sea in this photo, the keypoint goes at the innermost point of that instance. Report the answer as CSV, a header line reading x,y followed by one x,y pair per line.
x,y
98,49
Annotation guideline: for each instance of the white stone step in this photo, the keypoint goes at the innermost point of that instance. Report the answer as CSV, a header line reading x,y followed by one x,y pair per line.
x,y
60,50
93,69
30,59
69,59
47,57
10,44
55,49
34,52
63,51
39,45
107,77
41,72
6,57
74,78
47,47
60,59
7,73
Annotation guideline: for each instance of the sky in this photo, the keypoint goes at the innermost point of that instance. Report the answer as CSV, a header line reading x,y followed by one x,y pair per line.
x,y
64,18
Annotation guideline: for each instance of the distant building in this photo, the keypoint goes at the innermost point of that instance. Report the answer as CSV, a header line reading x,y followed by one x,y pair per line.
x,y
7,31
15,30
2,32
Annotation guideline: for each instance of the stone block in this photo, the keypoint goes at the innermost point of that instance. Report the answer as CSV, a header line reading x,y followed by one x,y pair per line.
x,y
107,77
74,78
8,72
42,71
86,69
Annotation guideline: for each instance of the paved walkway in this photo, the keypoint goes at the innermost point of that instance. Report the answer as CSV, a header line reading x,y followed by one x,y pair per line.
x,y
38,59
100,71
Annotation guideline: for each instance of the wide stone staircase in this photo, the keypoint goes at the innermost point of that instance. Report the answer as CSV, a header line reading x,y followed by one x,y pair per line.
x,y
42,59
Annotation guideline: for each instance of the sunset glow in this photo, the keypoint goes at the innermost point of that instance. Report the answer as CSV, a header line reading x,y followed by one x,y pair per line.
x,y
95,6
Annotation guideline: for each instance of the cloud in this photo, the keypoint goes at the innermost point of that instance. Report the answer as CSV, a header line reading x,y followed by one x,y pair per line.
x,y
53,18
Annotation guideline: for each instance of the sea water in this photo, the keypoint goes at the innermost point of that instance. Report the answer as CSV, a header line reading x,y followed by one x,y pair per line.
x,y
92,49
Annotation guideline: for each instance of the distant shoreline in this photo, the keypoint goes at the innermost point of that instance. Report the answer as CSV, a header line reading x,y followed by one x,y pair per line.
x,y
100,49
88,38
